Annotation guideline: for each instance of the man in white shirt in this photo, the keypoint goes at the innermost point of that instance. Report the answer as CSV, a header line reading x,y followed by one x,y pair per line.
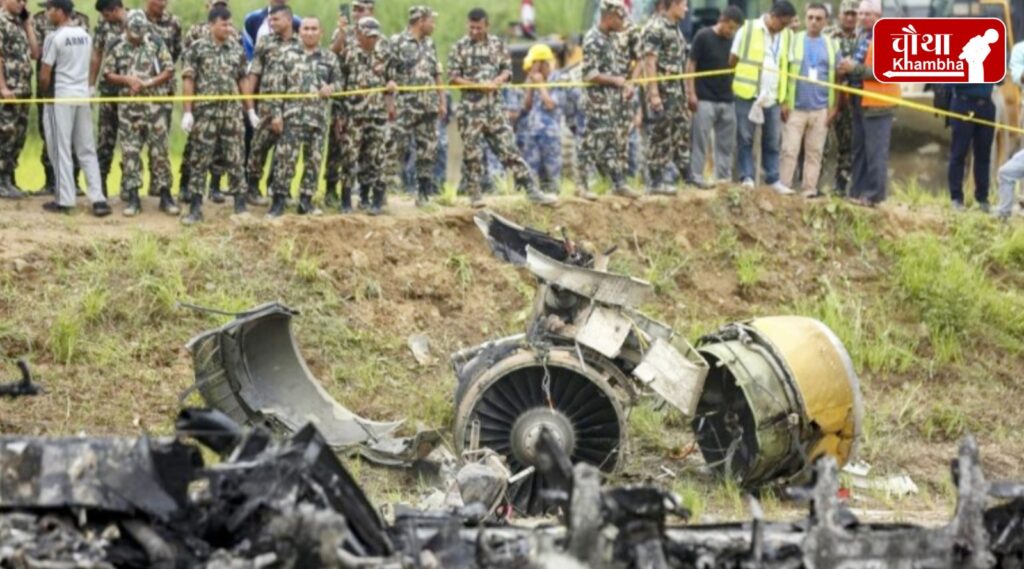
x,y
1013,171
66,56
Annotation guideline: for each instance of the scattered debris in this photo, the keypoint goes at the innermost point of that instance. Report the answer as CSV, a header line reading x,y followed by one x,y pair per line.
x,y
858,475
292,504
251,369
419,344
23,387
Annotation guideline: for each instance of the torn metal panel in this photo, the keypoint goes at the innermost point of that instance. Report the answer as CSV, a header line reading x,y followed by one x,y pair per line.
x,y
252,370
676,377
510,241
605,331
606,288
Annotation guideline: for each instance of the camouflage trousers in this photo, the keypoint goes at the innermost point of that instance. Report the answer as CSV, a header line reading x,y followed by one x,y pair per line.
x,y
215,145
107,127
668,139
368,138
483,124
542,150
296,140
338,144
839,150
13,130
137,131
604,147
263,142
416,133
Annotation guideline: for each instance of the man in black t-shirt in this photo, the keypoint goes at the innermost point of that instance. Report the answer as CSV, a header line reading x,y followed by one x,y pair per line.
x,y
710,98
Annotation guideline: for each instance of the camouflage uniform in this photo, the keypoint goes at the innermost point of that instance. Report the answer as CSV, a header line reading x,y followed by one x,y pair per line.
x,y
368,119
136,124
273,59
482,121
222,162
43,28
338,140
839,144
606,114
415,63
17,62
105,38
542,137
217,139
669,130
304,121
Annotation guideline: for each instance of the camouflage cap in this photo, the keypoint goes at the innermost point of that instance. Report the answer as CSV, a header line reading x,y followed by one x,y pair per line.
x,y
614,6
416,13
849,6
369,27
137,22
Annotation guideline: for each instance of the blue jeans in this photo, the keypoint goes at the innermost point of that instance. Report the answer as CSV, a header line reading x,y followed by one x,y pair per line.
x,y
968,135
1009,174
771,141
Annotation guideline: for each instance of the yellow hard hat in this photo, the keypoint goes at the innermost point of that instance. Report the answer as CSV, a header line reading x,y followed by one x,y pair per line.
x,y
538,52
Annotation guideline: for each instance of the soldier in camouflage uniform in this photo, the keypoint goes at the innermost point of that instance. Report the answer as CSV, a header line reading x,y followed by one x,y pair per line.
x,y
168,27
665,111
543,115
415,62
318,72
275,55
139,65
214,64
220,164
18,47
607,123
839,144
43,27
339,143
480,65
108,34
369,67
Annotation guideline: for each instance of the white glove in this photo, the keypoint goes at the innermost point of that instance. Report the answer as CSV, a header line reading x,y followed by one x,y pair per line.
x,y
187,122
254,119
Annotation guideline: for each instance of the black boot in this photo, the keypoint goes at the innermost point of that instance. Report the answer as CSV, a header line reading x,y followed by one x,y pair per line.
x,y
167,204
426,189
331,197
277,207
195,210
215,194
240,206
48,184
346,199
184,194
8,189
306,206
378,203
254,197
364,198
134,203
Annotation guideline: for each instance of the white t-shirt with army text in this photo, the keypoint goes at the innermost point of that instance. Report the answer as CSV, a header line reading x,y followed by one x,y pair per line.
x,y
69,51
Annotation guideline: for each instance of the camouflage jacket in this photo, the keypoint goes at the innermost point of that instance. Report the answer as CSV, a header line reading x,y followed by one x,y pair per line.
x,y
271,62
147,60
17,58
664,39
847,44
215,70
415,63
168,27
104,38
318,68
479,62
603,55
367,70
200,31
629,44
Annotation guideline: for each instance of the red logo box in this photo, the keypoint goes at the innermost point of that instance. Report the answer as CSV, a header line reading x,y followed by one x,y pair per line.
x,y
940,50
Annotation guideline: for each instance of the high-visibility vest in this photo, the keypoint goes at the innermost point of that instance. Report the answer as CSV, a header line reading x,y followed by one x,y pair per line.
x,y
747,76
796,60
888,89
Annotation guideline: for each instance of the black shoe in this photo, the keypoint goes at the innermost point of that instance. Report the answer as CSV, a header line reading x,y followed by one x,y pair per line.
x,y
167,204
253,197
216,196
134,204
11,188
277,207
331,197
195,211
240,205
101,209
54,207
306,206
375,211
346,200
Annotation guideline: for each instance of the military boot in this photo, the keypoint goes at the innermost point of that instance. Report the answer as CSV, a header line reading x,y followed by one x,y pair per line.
x,y
167,204
253,196
48,184
425,189
534,195
331,197
240,206
134,203
216,196
306,206
346,200
10,190
364,198
184,193
377,206
276,207
622,189
195,210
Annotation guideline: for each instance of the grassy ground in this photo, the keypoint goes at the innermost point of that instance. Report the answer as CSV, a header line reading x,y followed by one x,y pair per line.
x,y
928,304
